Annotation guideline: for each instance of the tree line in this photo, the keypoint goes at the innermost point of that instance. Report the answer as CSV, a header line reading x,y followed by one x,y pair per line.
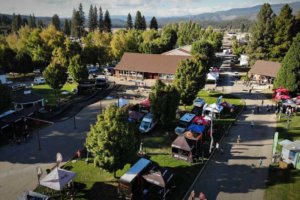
x,y
276,38
271,36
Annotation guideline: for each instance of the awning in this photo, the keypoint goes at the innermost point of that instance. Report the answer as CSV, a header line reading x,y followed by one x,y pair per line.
x,y
196,128
159,176
181,143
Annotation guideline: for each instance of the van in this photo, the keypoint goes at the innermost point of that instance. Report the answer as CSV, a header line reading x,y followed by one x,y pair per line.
x,y
184,123
39,80
148,123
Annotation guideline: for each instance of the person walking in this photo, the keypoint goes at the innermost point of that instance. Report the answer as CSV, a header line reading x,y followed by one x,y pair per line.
x,y
262,102
217,146
238,140
260,162
252,124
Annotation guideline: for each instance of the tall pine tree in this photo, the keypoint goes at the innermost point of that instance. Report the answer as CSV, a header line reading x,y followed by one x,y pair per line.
x,y
129,22
55,22
138,22
107,22
262,32
92,21
101,21
284,32
67,30
144,24
153,23
81,20
289,73
75,24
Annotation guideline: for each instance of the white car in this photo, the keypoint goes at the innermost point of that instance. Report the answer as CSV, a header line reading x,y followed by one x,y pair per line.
x,y
148,123
39,80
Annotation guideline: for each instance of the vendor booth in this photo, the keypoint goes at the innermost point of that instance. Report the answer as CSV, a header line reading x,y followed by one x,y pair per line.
x,y
183,148
58,179
130,184
159,183
198,104
290,153
215,109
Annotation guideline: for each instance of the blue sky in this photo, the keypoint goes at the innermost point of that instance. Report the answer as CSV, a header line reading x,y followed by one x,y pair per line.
x,y
159,8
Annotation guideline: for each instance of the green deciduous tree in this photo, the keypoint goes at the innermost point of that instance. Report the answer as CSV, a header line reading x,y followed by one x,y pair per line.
x,y
190,77
284,32
124,41
55,76
206,49
5,98
107,22
237,48
129,24
153,23
112,139
164,102
262,35
55,21
289,73
77,70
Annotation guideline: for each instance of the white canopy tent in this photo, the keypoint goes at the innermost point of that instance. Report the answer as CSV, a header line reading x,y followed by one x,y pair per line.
x,y
122,102
57,179
212,76
214,108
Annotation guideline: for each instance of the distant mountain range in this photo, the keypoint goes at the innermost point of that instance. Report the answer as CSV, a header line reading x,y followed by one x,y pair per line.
x,y
247,13
236,13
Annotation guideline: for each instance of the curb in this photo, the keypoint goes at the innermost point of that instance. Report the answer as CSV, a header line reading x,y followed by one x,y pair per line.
x,y
213,152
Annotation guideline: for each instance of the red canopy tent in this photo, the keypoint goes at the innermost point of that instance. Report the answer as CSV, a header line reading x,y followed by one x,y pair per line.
x,y
201,120
145,103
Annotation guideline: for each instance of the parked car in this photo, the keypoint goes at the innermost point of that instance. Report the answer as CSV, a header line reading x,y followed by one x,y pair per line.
x,y
37,71
18,86
39,80
184,123
148,123
101,83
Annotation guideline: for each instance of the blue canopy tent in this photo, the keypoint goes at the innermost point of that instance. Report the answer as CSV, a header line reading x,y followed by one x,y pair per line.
x,y
196,128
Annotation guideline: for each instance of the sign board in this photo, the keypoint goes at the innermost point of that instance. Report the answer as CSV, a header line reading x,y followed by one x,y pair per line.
x,y
275,142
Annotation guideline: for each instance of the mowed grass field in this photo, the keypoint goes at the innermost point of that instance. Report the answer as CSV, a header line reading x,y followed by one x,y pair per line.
x,y
285,184
49,95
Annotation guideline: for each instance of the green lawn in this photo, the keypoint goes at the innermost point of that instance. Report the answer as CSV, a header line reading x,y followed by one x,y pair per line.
x,y
285,184
95,183
46,92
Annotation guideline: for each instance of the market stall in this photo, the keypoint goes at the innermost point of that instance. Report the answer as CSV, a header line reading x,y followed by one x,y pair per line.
x,y
183,148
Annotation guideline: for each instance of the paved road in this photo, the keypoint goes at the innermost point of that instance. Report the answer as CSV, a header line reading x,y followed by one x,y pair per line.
x,y
236,174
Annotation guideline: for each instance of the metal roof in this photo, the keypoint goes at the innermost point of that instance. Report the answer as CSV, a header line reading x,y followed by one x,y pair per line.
x,y
135,170
187,117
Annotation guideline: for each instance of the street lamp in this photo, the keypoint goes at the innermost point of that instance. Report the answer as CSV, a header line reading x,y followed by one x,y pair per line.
x,y
211,132
39,173
58,159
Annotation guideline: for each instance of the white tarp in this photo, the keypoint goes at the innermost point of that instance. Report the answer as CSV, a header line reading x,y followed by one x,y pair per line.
x,y
57,179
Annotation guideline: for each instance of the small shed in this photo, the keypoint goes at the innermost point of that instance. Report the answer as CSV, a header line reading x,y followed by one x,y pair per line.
x,y
291,153
183,149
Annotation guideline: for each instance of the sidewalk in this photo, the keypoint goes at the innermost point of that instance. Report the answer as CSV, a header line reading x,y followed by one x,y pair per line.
x,y
236,174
